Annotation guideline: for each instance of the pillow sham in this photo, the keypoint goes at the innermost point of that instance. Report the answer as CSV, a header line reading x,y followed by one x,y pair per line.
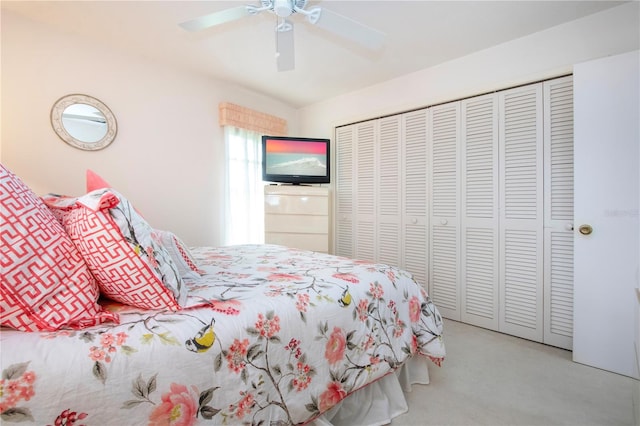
x,y
45,284
117,244
179,252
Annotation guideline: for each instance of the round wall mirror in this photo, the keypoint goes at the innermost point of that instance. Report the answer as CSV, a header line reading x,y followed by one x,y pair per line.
x,y
83,122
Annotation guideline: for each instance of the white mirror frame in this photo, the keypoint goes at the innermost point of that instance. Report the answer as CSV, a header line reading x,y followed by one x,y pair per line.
x,y
56,122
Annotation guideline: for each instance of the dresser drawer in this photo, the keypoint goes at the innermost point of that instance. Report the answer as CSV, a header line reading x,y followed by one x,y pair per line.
x,y
295,204
296,224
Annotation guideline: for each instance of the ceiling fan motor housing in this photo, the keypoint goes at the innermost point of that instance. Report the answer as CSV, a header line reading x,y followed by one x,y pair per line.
x,y
283,8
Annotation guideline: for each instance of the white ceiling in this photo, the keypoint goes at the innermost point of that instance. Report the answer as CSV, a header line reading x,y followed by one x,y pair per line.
x,y
420,34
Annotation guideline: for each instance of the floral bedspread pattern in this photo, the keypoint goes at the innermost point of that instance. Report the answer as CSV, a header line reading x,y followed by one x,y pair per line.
x,y
271,336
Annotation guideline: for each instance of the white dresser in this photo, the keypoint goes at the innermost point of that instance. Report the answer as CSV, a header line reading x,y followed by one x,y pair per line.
x,y
297,216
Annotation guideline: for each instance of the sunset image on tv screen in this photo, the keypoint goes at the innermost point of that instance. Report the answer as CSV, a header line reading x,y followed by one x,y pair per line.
x,y
298,158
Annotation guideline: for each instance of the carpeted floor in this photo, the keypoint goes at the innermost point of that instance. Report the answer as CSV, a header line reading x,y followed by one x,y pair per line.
x,y
490,378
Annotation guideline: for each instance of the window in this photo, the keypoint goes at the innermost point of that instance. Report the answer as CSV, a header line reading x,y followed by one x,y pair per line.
x,y
244,189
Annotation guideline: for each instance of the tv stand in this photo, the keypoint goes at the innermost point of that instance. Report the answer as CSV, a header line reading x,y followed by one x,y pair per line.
x,y
297,216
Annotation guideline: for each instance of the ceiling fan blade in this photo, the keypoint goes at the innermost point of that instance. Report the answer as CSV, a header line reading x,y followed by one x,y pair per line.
x,y
285,52
348,28
216,18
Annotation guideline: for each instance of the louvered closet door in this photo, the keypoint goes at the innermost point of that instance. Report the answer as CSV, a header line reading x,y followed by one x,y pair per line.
x,y
344,190
444,233
365,196
521,212
415,194
558,225
389,191
479,226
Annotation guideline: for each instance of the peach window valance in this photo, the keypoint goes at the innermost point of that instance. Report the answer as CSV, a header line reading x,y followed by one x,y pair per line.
x,y
246,118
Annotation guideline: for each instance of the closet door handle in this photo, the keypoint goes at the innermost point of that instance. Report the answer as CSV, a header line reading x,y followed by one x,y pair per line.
x,y
444,222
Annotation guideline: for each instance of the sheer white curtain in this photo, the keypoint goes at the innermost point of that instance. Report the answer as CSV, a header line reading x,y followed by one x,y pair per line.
x,y
244,189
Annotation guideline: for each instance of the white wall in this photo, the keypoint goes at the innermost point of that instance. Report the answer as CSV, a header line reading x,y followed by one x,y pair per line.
x,y
167,157
546,54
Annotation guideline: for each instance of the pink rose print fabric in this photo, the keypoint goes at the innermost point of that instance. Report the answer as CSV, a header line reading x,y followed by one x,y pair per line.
x,y
267,335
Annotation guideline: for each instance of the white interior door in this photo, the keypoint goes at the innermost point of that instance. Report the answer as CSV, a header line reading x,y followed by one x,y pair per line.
x,y
606,99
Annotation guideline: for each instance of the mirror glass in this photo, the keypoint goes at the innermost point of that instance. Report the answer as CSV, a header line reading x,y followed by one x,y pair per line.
x,y
83,122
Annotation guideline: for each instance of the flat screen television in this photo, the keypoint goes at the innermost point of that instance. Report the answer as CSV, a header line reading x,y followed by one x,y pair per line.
x,y
294,160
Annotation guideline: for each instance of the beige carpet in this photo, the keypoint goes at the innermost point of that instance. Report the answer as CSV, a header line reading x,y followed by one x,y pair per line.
x,y
491,378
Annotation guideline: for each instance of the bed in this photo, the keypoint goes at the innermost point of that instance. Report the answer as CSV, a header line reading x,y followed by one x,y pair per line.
x,y
261,334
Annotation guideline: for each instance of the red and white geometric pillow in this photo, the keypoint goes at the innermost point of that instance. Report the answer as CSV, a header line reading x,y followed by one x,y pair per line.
x,y
45,284
117,245
179,253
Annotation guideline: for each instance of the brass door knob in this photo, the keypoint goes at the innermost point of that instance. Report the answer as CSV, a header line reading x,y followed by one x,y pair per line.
x,y
585,229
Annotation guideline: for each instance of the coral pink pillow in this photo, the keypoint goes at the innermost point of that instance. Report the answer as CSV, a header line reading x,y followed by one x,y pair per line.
x,y
45,283
117,244
94,181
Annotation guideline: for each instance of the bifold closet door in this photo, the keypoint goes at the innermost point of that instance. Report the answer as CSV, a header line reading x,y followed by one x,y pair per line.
x,y
521,211
344,149
415,181
480,302
365,186
356,190
558,219
389,194
475,199
444,238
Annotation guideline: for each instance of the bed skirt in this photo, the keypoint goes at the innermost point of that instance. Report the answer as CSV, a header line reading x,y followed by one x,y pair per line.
x,y
380,402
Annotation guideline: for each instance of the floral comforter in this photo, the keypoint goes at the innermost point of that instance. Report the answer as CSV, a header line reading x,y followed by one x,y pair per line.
x,y
271,335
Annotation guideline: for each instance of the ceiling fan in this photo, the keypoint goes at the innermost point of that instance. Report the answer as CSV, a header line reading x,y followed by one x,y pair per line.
x,y
284,9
